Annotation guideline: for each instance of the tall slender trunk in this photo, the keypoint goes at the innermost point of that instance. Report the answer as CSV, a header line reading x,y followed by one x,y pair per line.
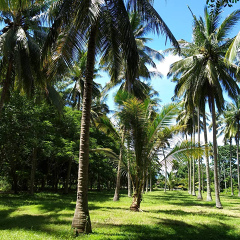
x,y
147,181
81,220
165,164
238,157
129,181
150,179
225,181
193,165
190,172
199,161
217,195
128,173
230,162
33,170
117,188
209,195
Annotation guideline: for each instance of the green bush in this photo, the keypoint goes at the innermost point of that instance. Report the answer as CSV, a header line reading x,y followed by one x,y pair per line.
x,y
4,184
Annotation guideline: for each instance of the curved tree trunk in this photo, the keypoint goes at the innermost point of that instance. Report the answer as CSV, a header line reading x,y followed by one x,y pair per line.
x,y
230,162
199,161
209,195
81,220
217,195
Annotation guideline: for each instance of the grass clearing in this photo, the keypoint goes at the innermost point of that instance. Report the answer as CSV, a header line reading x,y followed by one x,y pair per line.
x,y
171,215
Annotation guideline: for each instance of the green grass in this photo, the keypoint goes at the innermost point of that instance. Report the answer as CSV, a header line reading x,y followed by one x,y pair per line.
x,y
168,216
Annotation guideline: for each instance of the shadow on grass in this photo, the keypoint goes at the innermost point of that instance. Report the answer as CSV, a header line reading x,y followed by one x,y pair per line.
x,y
166,229
214,216
181,199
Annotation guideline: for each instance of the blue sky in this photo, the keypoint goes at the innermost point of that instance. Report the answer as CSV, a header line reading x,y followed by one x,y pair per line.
x,y
177,16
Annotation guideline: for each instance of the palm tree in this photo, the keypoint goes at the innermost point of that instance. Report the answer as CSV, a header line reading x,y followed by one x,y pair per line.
x,y
77,75
135,86
105,27
148,132
147,56
209,195
20,45
204,72
232,123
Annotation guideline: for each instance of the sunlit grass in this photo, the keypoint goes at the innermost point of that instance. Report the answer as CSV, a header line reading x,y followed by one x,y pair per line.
x,y
171,215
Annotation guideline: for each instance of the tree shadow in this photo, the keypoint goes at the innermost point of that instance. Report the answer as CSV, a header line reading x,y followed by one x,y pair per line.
x,y
182,199
167,229
181,213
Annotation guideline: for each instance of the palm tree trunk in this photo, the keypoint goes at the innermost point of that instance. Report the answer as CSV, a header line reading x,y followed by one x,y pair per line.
x,y
128,174
150,179
165,163
137,196
217,195
81,220
225,181
117,189
202,174
193,165
190,172
238,134
129,181
230,162
147,181
199,161
209,195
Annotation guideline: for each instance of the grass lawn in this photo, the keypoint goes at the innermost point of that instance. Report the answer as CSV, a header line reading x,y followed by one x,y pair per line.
x,y
169,216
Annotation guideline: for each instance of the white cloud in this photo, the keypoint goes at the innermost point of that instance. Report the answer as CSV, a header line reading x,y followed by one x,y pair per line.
x,y
164,65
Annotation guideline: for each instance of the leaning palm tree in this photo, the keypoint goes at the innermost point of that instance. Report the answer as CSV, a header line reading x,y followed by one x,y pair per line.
x,y
105,27
21,39
204,73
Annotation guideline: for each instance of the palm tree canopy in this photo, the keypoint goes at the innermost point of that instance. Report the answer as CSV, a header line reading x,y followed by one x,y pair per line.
x,y
203,69
21,40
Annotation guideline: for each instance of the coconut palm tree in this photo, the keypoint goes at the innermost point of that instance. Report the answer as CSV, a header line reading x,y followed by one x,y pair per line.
x,y
204,72
148,133
21,39
137,87
232,123
75,77
105,27
147,56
